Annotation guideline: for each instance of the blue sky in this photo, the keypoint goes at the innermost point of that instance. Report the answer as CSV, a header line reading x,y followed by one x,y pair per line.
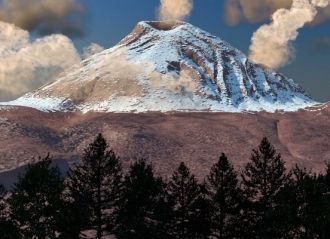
x,y
108,21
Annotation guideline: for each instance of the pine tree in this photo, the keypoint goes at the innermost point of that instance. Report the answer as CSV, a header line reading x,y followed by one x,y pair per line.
x,y
186,196
226,199
75,215
144,211
284,213
36,199
95,186
307,205
262,179
326,199
201,222
8,228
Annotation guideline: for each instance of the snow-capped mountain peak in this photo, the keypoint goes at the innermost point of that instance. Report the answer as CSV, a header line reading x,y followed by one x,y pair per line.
x,y
168,66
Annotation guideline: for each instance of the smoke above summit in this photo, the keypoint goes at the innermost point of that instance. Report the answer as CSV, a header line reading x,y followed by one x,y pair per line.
x,y
44,16
271,44
171,10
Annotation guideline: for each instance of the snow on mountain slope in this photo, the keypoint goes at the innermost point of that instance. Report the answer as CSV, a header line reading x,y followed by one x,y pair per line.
x,y
168,67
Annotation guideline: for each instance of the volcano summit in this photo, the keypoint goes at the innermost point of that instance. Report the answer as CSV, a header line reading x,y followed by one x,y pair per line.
x,y
163,67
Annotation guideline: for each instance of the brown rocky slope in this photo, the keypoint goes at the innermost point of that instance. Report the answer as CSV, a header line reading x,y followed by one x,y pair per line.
x,y
166,139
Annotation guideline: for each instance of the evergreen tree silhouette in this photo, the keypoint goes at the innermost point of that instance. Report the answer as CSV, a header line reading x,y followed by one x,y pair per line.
x,y
36,200
304,207
72,219
186,197
144,211
8,228
284,214
326,198
201,222
262,179
95,186
226,199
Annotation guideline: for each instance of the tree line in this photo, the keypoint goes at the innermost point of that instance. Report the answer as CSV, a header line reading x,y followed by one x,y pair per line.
x,y
98,200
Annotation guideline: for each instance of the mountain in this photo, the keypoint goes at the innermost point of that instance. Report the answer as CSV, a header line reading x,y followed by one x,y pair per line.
x,y
164,67
205,84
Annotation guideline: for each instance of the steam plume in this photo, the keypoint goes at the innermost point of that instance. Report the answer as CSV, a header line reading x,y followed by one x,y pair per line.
x,y
255,11
44,16
272,44
171,10
25,65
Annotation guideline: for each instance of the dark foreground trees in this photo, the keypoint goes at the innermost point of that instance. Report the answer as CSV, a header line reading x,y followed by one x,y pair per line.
x,y
95,187
35,203
8,228
304,206
226,200
186,198
262,179
143,210
97,199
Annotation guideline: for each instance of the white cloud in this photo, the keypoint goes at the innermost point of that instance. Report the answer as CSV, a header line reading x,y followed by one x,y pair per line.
x,y
26,65
272,43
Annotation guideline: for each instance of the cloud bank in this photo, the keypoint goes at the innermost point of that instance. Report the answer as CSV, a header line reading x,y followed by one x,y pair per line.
x,y
256,11
44,16
171,10
26,65
272,43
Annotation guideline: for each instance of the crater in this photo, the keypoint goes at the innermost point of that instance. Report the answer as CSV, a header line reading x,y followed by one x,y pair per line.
x,y
165,25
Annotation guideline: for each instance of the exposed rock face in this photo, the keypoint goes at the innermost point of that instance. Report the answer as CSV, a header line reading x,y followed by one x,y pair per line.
x,y
169,66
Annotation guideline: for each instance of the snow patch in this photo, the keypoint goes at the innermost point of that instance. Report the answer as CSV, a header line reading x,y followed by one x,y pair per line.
x,y
42,104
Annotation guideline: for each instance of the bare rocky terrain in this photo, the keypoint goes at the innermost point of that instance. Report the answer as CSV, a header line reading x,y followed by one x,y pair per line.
x,y
302,137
